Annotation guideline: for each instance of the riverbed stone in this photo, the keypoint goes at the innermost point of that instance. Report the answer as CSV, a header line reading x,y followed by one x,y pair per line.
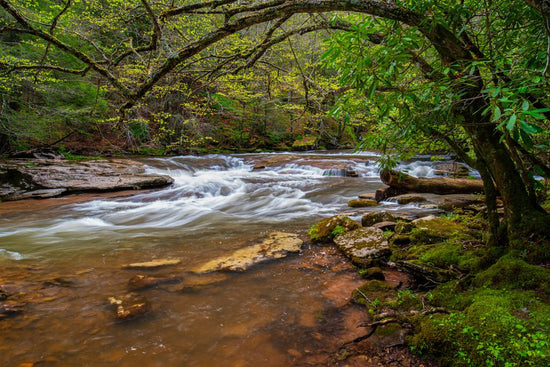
x,y
364,246
362,203
276,246
130,306
153,264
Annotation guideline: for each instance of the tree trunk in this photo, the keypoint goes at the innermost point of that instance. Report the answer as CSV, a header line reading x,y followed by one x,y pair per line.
x,y
435,185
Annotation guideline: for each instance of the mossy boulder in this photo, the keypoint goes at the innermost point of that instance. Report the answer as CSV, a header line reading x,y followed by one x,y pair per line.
x,y
439,226
362,203
328,228
364,246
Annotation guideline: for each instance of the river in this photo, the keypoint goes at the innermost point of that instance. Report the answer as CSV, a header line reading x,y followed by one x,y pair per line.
x,y
64,257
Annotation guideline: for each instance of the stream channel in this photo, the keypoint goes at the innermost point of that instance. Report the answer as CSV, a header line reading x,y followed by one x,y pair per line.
x,y
63,258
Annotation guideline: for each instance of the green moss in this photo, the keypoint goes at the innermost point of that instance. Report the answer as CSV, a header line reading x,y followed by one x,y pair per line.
x,y
452,254
498,328
510,272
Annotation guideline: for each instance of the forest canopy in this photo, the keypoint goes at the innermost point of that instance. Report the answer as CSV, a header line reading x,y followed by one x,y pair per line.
x,y
469,77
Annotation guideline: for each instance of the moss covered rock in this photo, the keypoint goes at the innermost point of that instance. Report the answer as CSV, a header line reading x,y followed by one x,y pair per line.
x,y
370,219
362,203
364,245
327,229
439,227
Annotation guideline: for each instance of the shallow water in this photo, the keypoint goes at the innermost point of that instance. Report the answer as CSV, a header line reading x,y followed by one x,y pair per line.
x,y
63,259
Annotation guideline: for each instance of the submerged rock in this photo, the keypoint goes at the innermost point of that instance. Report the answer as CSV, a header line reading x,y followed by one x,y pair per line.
x,y
364,245
153,264
145,281
9,308
130,306
195,282
277,245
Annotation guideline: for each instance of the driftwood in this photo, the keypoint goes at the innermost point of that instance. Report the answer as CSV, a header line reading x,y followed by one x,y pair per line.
x,y
435,185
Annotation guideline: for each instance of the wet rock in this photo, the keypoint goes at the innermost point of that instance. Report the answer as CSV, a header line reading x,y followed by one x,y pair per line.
x,y
153,264
385,226
325,230
364,245
145,281
8,308
370,219
449,202
367,195
130,306
362,203
410,198
277,245
27,178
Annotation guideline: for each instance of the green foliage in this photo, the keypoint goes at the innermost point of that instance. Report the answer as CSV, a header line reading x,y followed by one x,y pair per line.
x,y
498,328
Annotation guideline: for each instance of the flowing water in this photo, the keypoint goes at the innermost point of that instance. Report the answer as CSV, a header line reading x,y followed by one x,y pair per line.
x,y
63,258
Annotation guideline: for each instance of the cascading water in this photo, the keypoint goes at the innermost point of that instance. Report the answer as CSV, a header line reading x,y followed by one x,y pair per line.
x,y
216,204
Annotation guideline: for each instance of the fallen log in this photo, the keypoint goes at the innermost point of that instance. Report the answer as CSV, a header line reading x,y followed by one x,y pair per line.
x,y
436,185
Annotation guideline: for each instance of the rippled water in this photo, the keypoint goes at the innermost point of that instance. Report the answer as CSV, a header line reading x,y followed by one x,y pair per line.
x,y
270,315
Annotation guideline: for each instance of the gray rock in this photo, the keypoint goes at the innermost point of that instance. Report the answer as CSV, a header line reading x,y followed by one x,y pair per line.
x,y
364,245
28,178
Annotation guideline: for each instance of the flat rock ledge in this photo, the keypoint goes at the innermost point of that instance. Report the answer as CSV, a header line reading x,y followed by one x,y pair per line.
x,y
276,246
43,178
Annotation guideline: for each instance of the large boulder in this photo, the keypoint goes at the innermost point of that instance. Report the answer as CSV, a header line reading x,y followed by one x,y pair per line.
x,y
276,246
23,178
364,246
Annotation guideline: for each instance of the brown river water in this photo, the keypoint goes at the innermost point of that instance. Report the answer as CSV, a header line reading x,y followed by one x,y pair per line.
x,y
62,258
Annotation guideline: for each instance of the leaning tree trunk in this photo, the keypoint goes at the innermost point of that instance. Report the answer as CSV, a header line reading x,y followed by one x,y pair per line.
x,y
527,224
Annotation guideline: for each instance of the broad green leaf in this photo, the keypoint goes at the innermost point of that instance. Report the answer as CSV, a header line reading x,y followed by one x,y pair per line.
x,y
511,122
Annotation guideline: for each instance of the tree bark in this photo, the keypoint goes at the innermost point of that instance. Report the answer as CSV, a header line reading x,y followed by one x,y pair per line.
x,y
435,185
